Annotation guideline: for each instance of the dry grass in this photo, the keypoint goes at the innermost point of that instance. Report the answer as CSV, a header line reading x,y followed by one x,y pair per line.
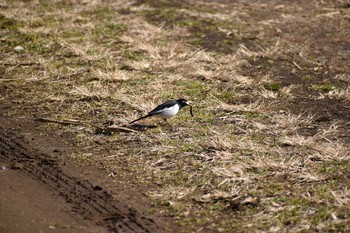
x,y
235,161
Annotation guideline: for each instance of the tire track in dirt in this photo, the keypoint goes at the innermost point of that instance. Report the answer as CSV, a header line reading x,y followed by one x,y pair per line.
x,y
85,199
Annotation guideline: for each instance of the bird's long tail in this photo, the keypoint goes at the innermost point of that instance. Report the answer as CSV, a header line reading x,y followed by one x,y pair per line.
x,y
140,118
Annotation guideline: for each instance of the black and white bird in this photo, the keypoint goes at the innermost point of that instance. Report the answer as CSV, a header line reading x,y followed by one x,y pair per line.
x,y
167,110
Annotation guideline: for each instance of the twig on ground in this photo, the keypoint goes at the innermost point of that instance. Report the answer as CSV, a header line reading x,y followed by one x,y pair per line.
x,y
112,128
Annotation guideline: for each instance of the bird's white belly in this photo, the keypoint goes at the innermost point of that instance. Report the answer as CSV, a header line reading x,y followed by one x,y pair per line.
x,y
168,112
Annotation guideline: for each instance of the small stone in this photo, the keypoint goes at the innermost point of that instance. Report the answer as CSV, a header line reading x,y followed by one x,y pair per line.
x,y
18,48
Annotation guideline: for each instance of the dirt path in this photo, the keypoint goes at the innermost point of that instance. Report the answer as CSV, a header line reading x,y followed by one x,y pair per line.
x,y
37,194
27,206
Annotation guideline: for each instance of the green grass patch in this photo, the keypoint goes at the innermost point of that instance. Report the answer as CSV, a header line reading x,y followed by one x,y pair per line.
x,y
321,88
100,14
193,89
108,32
273,87
226,96
134,55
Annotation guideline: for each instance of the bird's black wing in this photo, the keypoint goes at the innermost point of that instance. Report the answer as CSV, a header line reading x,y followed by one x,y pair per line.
x,y
157,110
164,105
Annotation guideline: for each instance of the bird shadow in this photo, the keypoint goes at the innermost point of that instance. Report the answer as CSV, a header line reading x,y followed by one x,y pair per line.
x,y
141,127
109,130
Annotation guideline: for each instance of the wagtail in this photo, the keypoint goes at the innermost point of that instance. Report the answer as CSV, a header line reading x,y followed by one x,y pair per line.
x,y
167,110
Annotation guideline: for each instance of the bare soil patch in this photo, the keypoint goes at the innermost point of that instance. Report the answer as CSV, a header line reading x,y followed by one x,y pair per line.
x,y
38,181
27,206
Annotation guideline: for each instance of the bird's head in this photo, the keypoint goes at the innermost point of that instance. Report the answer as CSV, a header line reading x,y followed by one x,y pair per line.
x,y
183,102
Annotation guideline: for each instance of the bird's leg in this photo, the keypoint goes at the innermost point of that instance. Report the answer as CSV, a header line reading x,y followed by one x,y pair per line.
x,y
162,123
172,127
166,122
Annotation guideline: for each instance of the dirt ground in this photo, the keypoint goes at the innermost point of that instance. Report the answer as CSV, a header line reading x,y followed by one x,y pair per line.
x,y
267,151
43,190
